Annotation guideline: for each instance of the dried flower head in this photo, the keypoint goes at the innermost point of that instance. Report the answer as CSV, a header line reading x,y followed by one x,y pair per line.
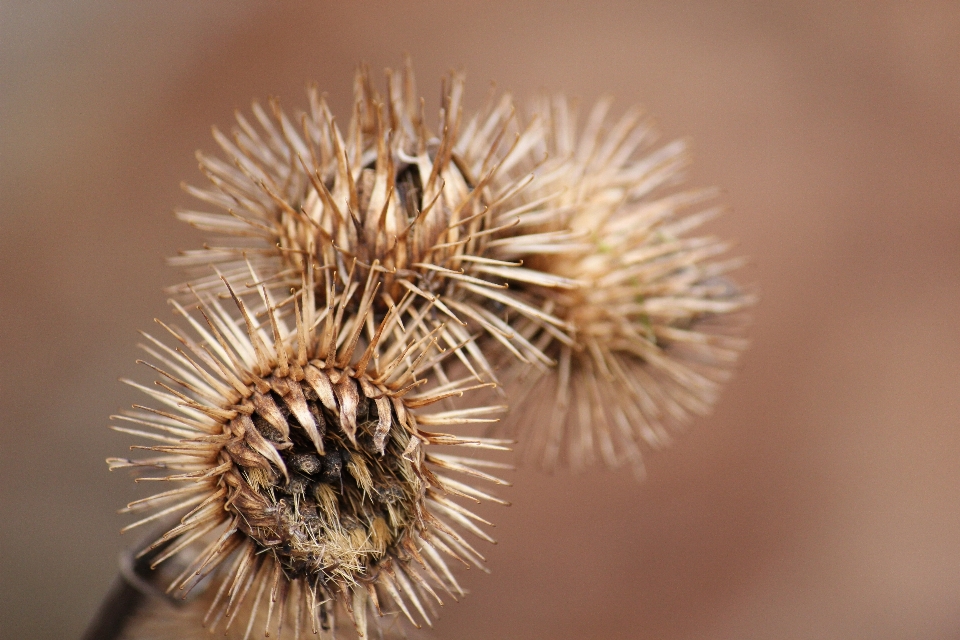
x,y
425,206
650,307
310,487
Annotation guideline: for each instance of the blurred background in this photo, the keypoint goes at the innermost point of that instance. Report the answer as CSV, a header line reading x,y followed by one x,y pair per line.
x,y
822,498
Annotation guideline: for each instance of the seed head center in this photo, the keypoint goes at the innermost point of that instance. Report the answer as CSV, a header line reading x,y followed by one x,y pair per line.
x,y
326,501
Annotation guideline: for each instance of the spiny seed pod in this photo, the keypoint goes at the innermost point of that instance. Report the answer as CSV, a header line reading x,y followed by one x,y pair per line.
x,y
650,309
425,206
310,487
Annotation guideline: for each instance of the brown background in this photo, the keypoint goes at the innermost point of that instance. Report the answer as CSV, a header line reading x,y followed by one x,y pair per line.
x,y
821,500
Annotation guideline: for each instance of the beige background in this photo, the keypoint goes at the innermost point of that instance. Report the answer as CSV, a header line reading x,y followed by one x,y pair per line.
x,y
822,499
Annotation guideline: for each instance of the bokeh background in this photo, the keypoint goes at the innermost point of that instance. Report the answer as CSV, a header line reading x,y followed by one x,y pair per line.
x,y
822,498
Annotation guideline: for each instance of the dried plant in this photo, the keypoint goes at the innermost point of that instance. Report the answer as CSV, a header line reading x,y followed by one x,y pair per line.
x,y
519,253
650,310
425,206
310,485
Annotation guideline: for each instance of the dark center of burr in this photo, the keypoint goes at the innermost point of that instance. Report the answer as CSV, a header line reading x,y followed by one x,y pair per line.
x,y
340,505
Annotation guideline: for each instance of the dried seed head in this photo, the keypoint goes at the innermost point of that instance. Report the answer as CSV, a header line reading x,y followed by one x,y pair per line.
x,y
310,487
425,206
650,304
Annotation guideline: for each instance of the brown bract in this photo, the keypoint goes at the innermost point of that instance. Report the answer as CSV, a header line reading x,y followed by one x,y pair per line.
x,y
310,486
